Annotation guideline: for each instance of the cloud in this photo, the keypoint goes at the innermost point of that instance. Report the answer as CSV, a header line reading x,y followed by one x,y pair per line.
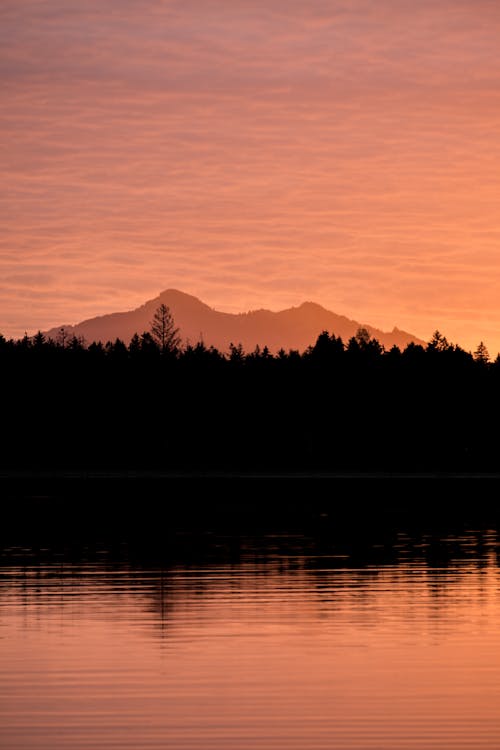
x,y
252,153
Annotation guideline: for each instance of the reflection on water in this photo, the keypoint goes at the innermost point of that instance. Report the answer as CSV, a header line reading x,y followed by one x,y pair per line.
x,y
272,647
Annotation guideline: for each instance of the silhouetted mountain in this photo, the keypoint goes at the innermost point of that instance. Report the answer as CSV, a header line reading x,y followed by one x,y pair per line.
x,y
294,328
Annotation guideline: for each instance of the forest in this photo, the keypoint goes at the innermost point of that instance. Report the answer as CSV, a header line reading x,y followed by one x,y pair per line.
x,y
156,404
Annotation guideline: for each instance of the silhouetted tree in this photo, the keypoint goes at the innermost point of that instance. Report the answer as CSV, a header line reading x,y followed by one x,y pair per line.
x,y
198,358
438,343
62,337
413,353
76,343
134,346
163,330
363,343
25,342
148,344
236,353
362,337
481,354
394,352
116,349
38,340
326,349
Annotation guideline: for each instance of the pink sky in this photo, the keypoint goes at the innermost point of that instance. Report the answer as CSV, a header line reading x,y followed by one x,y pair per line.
x,y
253,153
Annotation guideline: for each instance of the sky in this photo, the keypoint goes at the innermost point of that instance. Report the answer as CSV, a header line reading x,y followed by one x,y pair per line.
x,y
254,153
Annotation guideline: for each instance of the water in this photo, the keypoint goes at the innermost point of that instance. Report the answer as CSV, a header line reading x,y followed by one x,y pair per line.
x,y
274,647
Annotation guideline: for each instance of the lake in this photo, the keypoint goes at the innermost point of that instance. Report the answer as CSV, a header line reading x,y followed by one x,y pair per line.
x,y
275,641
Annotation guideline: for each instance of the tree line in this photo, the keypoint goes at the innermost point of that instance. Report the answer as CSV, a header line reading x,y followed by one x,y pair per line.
x,y
157,403
163,339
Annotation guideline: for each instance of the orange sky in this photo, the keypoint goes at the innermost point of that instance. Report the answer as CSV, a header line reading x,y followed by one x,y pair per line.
x,y
255,153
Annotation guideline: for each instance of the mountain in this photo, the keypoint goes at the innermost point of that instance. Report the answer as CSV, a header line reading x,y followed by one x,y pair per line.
x,y
294,328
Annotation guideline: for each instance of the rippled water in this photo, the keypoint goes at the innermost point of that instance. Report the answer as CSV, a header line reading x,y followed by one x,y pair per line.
x,y
268,649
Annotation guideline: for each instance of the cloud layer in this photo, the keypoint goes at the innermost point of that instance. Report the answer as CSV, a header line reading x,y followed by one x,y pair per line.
x,y
255,154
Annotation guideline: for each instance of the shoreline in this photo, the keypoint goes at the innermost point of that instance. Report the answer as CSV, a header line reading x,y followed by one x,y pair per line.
x,y
133,474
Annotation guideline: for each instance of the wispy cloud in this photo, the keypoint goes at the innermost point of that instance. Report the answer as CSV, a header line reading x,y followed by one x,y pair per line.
x,y
255,154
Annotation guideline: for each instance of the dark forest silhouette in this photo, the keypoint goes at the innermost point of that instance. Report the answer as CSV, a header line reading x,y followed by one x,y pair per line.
x,y
160,405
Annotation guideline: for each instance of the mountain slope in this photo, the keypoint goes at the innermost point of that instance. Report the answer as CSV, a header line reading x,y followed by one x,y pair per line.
x,y
294,328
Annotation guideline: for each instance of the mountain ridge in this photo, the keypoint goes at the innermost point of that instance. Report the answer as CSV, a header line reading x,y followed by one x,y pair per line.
x,y
292,328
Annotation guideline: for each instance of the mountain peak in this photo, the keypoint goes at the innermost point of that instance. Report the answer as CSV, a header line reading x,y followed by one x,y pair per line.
x,y
177,294
308,305
293,328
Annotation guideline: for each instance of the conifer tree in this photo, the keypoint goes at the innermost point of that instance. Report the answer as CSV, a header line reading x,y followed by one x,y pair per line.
x,y
163,330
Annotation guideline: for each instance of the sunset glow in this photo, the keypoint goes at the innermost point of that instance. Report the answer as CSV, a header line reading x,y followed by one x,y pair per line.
x,y
241,656
254,154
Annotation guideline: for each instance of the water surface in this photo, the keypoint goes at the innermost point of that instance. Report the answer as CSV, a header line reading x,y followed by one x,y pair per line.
x,y
266,648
